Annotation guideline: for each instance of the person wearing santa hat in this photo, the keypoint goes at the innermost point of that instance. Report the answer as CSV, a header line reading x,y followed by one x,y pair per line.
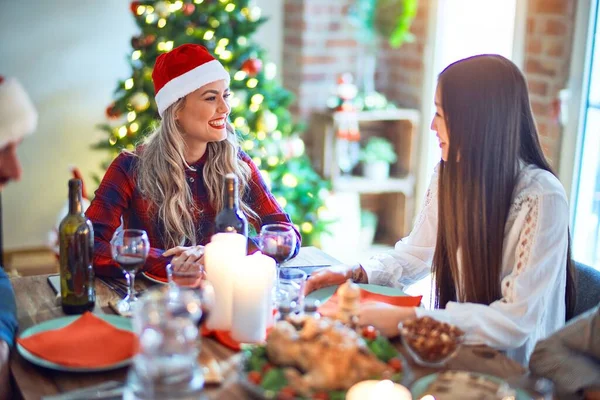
x,y
18,118
171,186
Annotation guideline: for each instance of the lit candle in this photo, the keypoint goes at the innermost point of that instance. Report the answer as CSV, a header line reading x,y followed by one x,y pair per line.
x,y
375,390
252,301
222,256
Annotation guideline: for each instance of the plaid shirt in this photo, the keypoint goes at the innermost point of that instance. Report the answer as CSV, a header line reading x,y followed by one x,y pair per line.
x,y
117,196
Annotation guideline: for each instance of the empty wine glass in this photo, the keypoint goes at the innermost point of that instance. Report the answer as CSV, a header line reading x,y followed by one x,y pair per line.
x,y
130,248
277,241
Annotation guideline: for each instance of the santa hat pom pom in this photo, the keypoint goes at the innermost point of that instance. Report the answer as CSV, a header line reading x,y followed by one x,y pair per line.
x,y
18,116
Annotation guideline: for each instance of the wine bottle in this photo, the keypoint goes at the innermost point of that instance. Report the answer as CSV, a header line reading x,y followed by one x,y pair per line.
x,y
231,218
76,235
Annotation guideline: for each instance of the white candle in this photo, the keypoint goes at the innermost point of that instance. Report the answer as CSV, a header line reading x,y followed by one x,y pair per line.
x,y
376,390
237,242
252,300
222,256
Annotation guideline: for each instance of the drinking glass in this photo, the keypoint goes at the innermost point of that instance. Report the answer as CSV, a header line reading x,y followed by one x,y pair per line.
x,y
291,284
277,241
166,364
193,279
130,248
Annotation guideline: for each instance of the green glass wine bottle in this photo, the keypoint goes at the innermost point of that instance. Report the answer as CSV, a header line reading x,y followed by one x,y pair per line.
x,y
76,235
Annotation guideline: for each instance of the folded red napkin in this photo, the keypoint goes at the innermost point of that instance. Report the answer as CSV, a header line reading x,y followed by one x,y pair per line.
x,y
331,305
224,337
86,342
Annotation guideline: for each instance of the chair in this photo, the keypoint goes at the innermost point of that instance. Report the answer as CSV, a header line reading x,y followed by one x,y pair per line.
x,y
588,288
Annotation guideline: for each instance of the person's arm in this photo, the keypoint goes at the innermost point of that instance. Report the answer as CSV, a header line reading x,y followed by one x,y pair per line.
x,y
538,272
260,199
111,200
411,258
571,356
8,330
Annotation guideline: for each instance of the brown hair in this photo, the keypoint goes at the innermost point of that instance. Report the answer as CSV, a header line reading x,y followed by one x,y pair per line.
x,y
491,128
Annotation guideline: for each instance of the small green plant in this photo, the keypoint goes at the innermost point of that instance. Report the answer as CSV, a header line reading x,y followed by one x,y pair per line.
x,y
378,149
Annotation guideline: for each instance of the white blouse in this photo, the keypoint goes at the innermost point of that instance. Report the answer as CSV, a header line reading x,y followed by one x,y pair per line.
x,y
533,267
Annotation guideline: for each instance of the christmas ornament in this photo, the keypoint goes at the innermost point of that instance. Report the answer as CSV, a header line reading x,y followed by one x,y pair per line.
x,y
139,101
149,39
136,42
294,147
254,14
267,122
252,66
162,9
188,9
112,112
134,7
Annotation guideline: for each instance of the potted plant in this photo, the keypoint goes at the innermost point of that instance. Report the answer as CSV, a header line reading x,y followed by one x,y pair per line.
x,y
376,157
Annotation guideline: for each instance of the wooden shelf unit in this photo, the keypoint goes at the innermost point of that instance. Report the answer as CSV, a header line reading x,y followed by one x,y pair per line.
x,y
392,200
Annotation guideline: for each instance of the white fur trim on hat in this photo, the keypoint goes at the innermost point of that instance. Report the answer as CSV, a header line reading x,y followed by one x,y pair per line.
x,y
192,80
18,116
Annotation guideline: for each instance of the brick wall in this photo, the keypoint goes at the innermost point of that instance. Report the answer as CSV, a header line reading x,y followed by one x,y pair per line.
x,y
550,25
401,71
319,44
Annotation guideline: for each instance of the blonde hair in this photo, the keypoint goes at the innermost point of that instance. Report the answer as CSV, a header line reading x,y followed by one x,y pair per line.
x,y
161,177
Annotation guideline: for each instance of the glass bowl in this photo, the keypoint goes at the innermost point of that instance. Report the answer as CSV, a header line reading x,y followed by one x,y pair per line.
x,y
431,349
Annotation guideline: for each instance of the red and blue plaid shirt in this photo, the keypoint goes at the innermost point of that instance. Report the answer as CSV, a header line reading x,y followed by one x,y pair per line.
x,y
118,197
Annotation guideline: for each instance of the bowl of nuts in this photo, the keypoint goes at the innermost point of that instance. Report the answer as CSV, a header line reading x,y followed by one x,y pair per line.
x,y
430,343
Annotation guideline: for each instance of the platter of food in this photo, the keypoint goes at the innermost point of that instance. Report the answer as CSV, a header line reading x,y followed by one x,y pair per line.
x,y
318,358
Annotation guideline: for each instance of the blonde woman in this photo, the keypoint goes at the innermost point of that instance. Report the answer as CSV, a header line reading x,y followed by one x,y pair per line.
x,y
171,186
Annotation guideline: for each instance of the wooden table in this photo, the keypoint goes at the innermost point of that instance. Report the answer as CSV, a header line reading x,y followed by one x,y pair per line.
x,y
36,303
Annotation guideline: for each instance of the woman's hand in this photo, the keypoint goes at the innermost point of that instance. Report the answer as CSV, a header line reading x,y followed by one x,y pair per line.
x,y
185,258
384,317
335,275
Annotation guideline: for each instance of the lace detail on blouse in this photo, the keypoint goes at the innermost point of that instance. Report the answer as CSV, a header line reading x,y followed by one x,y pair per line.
x,y
431,193
526,240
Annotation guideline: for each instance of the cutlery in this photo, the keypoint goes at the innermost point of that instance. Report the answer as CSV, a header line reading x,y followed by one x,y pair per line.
x,y
106,390
118,287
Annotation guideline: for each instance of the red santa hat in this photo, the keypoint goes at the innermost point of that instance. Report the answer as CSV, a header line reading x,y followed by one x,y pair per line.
x,y
18,116
183,70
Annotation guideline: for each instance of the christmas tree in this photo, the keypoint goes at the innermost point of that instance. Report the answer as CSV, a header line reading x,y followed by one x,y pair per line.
x,y
259,105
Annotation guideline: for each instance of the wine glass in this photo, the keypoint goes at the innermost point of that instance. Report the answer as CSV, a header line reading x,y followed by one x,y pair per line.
x,y
277,241
130,248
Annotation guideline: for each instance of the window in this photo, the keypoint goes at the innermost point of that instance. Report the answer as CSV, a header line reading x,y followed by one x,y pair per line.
x,y
586,199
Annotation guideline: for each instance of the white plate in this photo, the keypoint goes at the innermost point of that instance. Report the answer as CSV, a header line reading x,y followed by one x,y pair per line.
x,y
115,320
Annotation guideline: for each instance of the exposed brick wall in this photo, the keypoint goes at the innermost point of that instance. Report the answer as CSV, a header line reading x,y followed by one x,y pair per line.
x,y
550,25
400,74
319,44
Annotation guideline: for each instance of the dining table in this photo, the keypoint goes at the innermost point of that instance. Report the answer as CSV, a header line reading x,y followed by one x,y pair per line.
x,y
37,302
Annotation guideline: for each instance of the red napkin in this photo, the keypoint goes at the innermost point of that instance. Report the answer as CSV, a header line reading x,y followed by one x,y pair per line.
x,y
330,306
86,342
224,337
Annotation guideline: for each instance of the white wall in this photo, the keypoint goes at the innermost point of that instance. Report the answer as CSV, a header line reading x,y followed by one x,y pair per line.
x,y
69,55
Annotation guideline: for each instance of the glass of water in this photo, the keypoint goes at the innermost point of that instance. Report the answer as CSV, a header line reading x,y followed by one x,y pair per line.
x,y
291,288
166,365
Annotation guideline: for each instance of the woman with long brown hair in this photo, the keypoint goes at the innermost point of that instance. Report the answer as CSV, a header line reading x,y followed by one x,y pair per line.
x,y
494,227
171,186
